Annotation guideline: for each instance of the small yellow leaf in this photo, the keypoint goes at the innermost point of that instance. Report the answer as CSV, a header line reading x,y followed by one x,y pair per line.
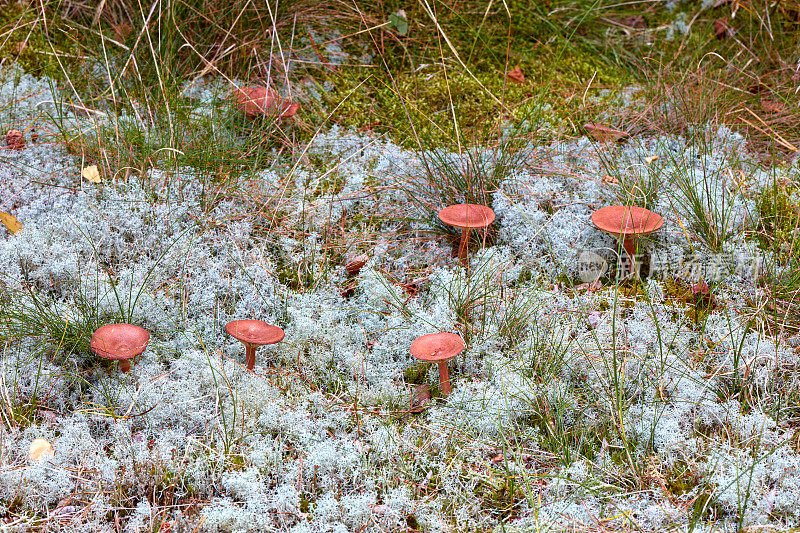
x,y
649,159
10,221
40,449
91,174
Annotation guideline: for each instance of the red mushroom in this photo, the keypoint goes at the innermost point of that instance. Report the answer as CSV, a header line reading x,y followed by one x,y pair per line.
x,y
438,348
255,101
119,342
253,333
627,223
466,217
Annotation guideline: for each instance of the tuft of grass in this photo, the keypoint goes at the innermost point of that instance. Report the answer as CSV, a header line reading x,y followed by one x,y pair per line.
x,y
778,225
61,330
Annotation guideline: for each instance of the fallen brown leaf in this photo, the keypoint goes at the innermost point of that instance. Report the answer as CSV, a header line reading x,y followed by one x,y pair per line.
x,y
634,21
10,222
771,106
603,133
420,397
91,173
39,450
516,75
348,289
355,265
722,28
256,101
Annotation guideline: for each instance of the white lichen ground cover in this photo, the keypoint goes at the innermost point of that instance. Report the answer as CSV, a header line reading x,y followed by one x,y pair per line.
x,y
571,408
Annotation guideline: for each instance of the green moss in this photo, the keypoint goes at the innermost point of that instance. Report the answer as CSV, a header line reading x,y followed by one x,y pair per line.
x,y
632,288
680,478
480,104
23,415
305,504
24,41
779,219
695,309
706,506
416,373
501,493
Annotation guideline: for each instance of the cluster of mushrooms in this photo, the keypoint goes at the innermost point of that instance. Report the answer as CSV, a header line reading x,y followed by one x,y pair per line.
x,y
125,342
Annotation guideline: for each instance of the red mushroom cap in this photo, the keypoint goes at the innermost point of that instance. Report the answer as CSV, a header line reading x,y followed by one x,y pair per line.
x,y
465,216
437,347
255,332
119,341
624,220
255,101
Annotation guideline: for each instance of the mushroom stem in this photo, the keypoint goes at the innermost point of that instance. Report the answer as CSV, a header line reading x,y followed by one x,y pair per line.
x,y
444,377
250,355
629,245
124,365
463,248
630,248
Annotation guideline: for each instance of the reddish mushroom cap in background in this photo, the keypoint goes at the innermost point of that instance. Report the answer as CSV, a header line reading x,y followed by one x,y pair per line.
x,y
627,220
467,216
437,347
255,332
255,101
119,341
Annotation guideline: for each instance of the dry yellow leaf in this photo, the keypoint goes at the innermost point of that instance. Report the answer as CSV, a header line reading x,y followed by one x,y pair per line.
x,y
649,159
91,174
40,449
10,221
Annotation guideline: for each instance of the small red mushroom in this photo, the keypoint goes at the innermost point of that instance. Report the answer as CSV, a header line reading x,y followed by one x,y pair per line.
x,y
627,223
466,217
119,342
15,140
253,333
255,101
438,348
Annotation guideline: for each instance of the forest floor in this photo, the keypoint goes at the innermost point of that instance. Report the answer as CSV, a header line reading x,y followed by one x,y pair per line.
x,y
587,397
